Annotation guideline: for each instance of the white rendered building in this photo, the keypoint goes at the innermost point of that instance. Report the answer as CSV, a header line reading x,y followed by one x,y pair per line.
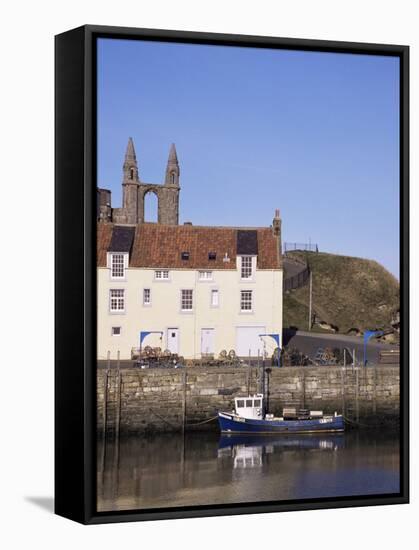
x,y
195,290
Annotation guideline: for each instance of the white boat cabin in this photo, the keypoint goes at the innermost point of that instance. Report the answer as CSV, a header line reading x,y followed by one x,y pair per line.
x,y
250,406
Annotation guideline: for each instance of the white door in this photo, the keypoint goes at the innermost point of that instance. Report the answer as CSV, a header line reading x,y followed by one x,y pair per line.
x,y
173,340
248,341
207,340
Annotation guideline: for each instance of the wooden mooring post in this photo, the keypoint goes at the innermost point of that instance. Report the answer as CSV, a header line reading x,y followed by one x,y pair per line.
x,y
118,399
184,380
104,421
357,393
105,398
303,387
310,302
342,387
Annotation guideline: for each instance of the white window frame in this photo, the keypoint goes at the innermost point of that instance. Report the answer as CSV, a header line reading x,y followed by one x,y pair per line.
x,y
118,298
161,271
246,300
217,291
247,260
111,256
116,335
182,309
205,275
147,304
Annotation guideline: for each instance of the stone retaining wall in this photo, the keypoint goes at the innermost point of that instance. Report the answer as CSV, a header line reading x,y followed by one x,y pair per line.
x,y
166,399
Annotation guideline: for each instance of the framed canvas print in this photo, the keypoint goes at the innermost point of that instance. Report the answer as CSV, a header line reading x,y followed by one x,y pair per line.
x,y
231,274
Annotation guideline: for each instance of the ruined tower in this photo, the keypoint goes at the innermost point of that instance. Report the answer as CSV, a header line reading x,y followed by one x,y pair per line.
x,y
169,194
172,169
134,191
130,185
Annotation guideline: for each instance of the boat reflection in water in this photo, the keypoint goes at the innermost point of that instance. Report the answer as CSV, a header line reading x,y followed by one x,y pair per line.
x,y
201,468
248,451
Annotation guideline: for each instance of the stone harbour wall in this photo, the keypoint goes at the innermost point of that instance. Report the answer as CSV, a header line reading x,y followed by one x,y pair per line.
x,y
150,400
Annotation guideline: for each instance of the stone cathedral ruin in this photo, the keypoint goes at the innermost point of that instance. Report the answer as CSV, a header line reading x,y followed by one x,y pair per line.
x,y
134,191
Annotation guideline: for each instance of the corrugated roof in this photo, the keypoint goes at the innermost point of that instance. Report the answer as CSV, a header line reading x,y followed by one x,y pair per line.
x,y
161,246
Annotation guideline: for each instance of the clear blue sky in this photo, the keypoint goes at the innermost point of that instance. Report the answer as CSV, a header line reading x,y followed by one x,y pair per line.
x,y
313,134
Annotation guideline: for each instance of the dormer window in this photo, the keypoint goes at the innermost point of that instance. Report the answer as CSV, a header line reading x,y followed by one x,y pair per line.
x,y
117,266
131,173
185,255
246,267
172,175
247,252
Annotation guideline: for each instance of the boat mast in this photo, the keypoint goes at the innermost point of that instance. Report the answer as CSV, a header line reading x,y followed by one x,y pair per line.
x,y
263,379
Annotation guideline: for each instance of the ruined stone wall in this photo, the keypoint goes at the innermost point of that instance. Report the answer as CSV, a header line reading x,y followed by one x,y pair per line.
x,y
163,399
167,202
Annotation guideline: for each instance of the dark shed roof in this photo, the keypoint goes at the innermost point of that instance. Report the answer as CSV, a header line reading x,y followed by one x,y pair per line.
x,y
247,241
122,239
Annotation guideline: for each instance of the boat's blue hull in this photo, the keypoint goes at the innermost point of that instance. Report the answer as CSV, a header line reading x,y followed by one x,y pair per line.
x,y
230,423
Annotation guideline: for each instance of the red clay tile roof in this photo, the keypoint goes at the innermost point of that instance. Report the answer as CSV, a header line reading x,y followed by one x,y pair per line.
x,y
103,240
160,246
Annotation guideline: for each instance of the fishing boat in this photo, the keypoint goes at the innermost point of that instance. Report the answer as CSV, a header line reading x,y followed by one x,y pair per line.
x,y
249,417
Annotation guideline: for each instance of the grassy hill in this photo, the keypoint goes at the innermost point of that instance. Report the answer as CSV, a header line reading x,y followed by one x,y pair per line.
x,y
348,293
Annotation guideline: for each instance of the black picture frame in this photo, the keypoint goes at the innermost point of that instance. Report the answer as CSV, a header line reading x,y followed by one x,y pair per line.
x,y
75,273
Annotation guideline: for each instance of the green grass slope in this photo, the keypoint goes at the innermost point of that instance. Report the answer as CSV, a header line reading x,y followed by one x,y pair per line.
x,y
347,293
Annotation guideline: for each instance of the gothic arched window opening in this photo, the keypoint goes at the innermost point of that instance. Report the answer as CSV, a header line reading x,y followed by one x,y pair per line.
x,y
150,207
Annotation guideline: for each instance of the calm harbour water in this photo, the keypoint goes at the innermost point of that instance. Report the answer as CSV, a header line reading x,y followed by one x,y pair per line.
x,y
203,468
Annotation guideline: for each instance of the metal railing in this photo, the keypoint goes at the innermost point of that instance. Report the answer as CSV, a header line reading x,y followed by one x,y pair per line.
x,y
298,280
309,247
